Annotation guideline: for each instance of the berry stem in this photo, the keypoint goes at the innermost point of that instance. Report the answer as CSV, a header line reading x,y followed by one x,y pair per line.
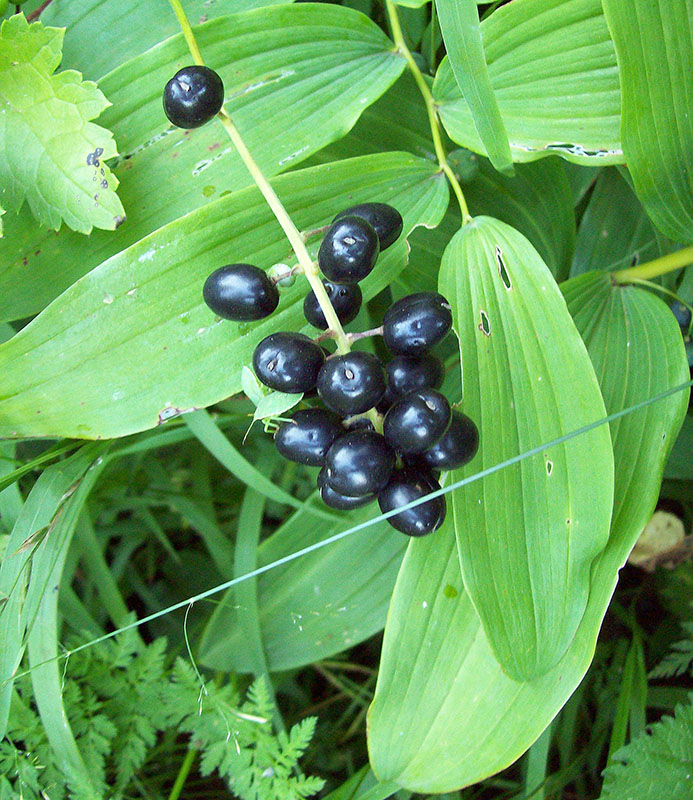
x,y
656,267
430,109
354,337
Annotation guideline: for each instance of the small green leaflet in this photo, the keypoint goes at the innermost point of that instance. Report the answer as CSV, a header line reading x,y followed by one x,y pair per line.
x,y
252,388
50,154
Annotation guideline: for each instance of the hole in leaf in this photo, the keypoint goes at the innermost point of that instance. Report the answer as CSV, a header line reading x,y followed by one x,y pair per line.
x,y
549,467
635,259
485,326
502,271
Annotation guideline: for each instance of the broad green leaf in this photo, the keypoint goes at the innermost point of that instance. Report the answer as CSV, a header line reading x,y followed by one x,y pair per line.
x,y
656,764
51,156
100,36
132,344
552,67
654,48
614,231
296,78
459,24
304,613
472,721
37,512
526,538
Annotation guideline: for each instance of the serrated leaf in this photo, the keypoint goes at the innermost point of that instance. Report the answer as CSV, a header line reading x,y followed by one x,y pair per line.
x,y
296,77
133,344
656,764
526,538
275,404
51,156
459,24
472,721
552,67
654,48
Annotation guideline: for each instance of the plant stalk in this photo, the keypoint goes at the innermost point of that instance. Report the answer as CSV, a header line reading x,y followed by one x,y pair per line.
x,y
441,155
656,267
183,773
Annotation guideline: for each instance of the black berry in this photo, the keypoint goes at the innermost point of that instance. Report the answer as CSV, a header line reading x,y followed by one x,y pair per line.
x,y
404,487
193,96
349,250
416,322
346,301
417,421
359,463
457,447
288,362
351,383
386,220
308,436
240,292
409,373
340,501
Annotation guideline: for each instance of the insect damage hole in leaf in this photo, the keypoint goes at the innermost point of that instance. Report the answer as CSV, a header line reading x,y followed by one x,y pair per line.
x,y
484,325
502,270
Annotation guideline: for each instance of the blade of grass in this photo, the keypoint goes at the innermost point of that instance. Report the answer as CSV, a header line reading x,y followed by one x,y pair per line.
x,y
619,730
10,498
638,707
535,775
50,454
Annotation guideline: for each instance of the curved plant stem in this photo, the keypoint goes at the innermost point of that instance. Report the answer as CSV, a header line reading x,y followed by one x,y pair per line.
x,y
310,267
430,110
183,773
656,267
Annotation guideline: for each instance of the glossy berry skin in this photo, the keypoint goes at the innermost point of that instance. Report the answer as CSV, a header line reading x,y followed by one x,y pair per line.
x,y
308,436
193,96
417,421
359,463
349,250
288,362
457,446
404,487
345,298
386,220
409,373
415,323
339,501
240,292
351,383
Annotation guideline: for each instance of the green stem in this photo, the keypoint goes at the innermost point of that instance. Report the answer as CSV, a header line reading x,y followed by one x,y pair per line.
x,y
183,773
309,267
659,266
441,155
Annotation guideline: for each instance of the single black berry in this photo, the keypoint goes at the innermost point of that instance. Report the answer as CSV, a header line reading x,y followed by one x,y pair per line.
x,y
240,292
404,487
417,421
386,220
193,96
351,383
349,250
416,322
340,501
409,373
346,301
308,435
457,447
682,314
359,463
288,362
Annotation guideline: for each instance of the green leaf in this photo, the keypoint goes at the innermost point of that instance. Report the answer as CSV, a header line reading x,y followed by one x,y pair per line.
x,y
527,539
472,721
304,613
459,24
553,71
52,156
614,231
98,38
654,48
295,77
657,764
252,388
133,344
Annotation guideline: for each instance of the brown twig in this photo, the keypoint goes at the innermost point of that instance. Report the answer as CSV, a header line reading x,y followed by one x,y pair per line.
x,y
36,14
